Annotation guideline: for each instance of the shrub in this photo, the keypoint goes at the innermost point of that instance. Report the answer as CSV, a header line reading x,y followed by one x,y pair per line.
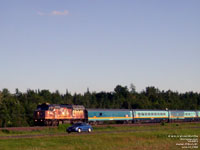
x,y
63,127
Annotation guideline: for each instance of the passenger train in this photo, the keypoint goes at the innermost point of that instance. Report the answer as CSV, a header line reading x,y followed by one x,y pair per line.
x,y
54,114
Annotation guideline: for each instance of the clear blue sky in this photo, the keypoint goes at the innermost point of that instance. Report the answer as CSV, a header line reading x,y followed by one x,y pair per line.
x,y
97,44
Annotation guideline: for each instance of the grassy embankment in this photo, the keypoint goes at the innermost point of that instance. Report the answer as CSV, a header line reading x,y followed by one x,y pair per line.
x,y
103,138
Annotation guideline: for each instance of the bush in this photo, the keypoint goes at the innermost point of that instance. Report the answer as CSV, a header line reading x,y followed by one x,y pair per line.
x,y
63,127
163,124
5,131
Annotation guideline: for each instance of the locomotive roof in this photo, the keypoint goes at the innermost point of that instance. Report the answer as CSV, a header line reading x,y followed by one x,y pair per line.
x,y
69,106
76,106
62,105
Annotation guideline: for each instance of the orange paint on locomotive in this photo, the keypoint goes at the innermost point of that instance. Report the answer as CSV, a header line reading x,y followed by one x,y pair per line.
x,y
78,114
59,113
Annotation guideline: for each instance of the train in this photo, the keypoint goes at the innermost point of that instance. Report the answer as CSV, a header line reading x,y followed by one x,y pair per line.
x,y
55,114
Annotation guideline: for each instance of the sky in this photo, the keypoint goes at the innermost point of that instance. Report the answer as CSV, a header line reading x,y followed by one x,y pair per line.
x,y
98,44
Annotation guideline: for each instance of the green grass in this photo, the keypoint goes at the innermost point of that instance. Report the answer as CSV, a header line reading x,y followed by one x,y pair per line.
x,y
104,138
59,129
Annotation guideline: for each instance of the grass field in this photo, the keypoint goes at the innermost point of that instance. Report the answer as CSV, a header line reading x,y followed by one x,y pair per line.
x,y
103,138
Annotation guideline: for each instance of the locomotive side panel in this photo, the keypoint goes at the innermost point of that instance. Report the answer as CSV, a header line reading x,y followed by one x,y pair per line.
x,y
59,113
65,113
78,114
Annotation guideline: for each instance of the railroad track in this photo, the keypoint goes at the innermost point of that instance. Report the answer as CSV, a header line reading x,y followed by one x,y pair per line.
x,y
27,128
35,128
141,124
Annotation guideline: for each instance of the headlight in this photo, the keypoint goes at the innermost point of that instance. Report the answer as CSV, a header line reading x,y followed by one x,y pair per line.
x,y
76,128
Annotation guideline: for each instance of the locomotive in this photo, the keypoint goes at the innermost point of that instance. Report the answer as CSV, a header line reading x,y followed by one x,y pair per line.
x,y
54,114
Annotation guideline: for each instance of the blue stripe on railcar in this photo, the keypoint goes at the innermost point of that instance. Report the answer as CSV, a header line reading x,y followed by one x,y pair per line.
x,y
176,114
198,115
150,115
106,115
184,115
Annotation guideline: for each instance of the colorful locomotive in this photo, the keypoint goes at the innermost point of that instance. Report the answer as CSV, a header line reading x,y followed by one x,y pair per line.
x,y
55,114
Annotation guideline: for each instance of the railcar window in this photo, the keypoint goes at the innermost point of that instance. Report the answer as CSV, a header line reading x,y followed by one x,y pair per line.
x,y
100,114
142,114
148,114
139,114
145,114
152,114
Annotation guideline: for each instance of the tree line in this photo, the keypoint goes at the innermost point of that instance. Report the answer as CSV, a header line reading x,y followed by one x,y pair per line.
x,y
17,109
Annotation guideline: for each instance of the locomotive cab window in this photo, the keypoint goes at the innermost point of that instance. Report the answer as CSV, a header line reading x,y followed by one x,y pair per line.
x,y
51,108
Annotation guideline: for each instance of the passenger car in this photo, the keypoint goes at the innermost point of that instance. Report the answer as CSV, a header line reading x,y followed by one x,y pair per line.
x,y
100,115
79,127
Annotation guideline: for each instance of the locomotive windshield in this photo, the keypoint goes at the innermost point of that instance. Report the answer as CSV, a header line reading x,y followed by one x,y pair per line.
x,y
42,107
47,107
